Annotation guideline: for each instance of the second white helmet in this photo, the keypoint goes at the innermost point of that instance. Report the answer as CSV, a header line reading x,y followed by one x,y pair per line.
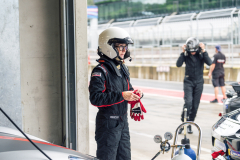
x,y
109,37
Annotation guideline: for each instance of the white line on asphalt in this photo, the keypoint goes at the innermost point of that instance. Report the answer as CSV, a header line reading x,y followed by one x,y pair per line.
x,y
169,90
142,134
151,136
157,95
173,82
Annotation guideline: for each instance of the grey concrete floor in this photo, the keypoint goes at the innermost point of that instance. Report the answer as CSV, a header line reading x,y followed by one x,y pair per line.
x,y
163,114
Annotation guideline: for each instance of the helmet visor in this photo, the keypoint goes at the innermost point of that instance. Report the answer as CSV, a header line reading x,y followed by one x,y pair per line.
x,y
126,40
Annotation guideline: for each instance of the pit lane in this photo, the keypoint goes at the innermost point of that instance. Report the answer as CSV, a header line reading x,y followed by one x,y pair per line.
x,y
163,114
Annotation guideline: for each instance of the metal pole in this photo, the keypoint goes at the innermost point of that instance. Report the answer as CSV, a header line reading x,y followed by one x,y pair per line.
x,y
232,30
229,52
191,26
130,30
152,44
75,139
160,54
135,41
197,22
71,59
163,38
235,32
238,27
65,71
158,31
199,138
152,54
212,31
171,44
190,32
171,54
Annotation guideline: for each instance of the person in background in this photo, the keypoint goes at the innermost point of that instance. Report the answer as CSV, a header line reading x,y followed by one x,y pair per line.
x,y
194,55
217,73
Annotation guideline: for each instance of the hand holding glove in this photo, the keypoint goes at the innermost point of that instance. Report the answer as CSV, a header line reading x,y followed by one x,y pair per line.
x,y
137,108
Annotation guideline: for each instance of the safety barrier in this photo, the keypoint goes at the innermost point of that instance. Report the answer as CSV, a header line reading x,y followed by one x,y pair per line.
x,y
172,73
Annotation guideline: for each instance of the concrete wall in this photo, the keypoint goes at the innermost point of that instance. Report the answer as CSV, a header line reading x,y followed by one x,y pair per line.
x,y
41,68
10,93
82,77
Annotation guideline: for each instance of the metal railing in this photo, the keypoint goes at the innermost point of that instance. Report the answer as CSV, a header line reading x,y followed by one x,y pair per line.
x,y
159,40
134,10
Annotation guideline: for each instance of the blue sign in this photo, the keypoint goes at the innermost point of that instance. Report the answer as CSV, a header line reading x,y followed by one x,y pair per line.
x,y
235,154
92,12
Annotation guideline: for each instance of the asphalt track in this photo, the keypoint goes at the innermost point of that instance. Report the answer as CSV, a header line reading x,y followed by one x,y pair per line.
x,y
173,89
163,102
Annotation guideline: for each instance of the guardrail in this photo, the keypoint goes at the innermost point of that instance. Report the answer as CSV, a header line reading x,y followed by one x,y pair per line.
x,y
167,55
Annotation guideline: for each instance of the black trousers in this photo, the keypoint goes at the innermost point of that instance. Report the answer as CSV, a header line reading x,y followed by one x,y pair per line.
x,y
112,137
192,95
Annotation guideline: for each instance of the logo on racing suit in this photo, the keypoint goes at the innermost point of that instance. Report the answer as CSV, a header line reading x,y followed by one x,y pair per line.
x,y
114,117
98,74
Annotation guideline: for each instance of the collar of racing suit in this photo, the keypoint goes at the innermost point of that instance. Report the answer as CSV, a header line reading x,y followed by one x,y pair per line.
x,y
113,65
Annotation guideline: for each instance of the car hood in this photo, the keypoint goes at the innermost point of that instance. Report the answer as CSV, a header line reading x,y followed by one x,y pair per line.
x,y
36,155
16,133
227,128
13,145
228,125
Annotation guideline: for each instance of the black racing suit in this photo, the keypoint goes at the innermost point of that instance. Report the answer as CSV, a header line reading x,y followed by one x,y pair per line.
x,y
112,132
193,81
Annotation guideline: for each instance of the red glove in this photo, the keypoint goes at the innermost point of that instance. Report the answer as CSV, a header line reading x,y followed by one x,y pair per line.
x,y
216,154
136,111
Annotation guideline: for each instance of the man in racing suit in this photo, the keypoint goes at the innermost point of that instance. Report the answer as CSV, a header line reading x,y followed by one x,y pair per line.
x,y
110,90
194,55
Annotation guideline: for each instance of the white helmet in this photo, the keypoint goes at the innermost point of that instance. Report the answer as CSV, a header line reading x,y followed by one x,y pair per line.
x,y
109,37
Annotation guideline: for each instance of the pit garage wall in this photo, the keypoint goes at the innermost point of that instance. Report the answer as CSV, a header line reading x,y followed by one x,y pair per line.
x,y
177,74
42,71
82,77
41,68
10,93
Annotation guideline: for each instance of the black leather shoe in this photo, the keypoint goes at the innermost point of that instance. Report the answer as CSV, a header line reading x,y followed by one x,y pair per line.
x,y
180,130
189,129
214,101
